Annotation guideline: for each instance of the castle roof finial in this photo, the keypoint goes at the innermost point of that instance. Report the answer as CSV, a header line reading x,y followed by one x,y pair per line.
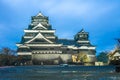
x,y
82,30
39,14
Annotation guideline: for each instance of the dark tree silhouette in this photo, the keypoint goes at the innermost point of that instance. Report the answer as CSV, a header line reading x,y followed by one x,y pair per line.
x,y
7,56
103,57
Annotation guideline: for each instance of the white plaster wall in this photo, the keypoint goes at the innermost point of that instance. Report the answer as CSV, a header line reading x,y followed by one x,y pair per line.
x,y
66,57
44,57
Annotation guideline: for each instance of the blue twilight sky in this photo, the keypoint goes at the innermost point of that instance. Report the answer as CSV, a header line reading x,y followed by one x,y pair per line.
x,y
101,18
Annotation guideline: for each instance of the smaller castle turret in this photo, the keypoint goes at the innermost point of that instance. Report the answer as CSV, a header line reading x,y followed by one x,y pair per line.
x,y
82,38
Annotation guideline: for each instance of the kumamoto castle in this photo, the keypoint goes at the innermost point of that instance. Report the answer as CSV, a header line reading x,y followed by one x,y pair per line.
x,y
40,45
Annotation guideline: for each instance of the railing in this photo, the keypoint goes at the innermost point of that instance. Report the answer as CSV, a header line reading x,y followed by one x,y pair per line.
x,y
46,51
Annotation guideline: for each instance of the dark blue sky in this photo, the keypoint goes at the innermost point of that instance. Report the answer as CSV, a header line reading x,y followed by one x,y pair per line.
x,y
100,18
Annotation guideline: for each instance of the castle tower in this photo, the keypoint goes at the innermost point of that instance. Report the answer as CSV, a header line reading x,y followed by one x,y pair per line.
x,y
38,39
85,48
82,38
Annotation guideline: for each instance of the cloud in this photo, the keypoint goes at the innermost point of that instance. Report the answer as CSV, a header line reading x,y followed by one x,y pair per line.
x,y
84,10
64,7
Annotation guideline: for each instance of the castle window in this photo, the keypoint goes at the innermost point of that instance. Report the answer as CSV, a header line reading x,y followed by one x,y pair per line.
x,y
81,36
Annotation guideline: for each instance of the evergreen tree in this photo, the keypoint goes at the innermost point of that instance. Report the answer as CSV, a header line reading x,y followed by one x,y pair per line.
x,y
103,57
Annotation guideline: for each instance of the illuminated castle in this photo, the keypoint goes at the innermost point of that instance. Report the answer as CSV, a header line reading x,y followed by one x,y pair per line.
x,y
40,45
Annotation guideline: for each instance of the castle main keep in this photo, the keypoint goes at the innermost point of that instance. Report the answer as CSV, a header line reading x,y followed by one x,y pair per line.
x,y
40,45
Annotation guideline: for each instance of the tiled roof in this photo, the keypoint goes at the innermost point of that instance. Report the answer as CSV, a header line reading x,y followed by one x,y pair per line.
x,y
66,42
71,42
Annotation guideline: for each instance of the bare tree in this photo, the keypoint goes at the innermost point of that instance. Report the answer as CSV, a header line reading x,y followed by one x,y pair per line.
x,y
7,56
7,51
